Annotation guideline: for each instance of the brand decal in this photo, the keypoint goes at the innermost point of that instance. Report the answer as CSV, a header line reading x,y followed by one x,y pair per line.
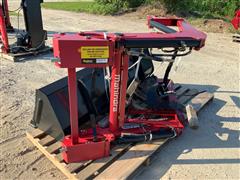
x,y
116,92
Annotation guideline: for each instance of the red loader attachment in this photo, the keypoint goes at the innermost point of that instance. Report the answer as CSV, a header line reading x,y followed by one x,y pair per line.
x,y
116,98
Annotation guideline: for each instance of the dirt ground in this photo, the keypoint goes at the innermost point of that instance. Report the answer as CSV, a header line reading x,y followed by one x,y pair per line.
x,y
211,152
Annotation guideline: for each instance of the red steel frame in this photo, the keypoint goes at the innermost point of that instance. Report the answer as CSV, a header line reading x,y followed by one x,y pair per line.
x,y
3,32
72,92
118,90
6,14
80,145
236,20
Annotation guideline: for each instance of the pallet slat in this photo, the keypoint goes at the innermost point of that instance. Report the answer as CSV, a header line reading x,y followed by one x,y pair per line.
x,y
187,95
50,157
192,117
53,148
199,101
127,164
59,157
98,165
36,133
74,166
47,140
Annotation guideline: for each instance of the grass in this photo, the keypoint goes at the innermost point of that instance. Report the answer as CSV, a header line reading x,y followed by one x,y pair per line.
x,y
91,6
88,6
77,6
13,14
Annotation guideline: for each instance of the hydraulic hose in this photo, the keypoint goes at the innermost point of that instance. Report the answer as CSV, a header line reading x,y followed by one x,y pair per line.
x,y
135,138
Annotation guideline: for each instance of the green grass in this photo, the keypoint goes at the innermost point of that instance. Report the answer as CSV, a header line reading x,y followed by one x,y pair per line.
x,y
13,13
105,7
204,8
79,6
82,6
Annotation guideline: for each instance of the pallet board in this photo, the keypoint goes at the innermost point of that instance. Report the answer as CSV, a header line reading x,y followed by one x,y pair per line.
x,y
114,166
135,157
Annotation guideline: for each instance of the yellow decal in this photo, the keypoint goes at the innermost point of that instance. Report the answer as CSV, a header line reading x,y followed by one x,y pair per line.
x,y
94,52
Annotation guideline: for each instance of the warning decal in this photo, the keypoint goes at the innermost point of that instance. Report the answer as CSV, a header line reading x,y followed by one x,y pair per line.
x,y
94,52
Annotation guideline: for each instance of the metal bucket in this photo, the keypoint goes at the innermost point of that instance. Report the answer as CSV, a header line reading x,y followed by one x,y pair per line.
x,y
51,113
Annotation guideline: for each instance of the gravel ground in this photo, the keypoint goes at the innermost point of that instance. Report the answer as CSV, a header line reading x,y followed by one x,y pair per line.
x,y
211,152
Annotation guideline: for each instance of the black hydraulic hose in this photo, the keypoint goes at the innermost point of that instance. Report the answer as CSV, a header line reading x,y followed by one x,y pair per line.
x,y
93,90
157,57
135,138
166,75
93,124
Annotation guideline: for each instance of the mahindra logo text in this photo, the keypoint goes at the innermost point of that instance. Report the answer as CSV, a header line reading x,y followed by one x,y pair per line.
x,y
116,92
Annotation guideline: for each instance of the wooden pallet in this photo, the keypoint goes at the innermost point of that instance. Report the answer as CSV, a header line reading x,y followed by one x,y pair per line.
x,y
19,57
125,160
